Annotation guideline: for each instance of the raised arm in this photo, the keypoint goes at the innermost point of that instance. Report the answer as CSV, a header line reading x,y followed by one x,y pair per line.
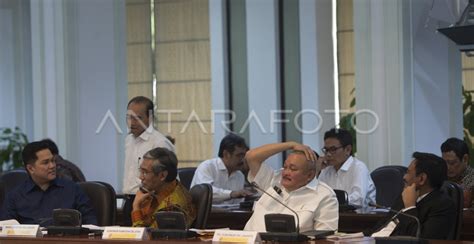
x,y
255,157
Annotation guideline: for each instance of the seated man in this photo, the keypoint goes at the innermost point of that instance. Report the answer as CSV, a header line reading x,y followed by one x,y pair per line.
x,y
160,191
295,185
345,172
224,173
33,201
456,154
422,198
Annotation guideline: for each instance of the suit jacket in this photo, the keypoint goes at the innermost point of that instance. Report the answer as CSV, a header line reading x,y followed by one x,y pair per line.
x,y
436,212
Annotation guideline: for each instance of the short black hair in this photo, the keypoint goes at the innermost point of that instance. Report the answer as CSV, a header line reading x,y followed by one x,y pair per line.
x,y
143,100
229,142
29,151
433,166
163,159
458,146
52,146
342,135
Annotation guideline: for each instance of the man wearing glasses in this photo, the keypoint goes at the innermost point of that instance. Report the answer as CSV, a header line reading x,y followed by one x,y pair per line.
x,y
342,171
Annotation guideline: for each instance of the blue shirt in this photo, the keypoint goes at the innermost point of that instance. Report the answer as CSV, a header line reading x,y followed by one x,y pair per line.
x,y
29,204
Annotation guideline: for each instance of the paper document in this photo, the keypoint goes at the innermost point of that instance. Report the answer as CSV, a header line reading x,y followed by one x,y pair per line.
x,y
343,236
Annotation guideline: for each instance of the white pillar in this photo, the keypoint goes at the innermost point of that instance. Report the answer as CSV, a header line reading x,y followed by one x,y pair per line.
x,y
218,70
317,87
263,68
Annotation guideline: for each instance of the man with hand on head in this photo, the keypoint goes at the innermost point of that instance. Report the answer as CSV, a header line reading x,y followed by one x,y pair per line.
x,y
295,185
160,190
33,201
224,172
422,198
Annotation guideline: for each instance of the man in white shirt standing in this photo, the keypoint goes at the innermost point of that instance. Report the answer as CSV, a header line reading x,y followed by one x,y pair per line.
x,y
295,185
224,172
345,172
142,138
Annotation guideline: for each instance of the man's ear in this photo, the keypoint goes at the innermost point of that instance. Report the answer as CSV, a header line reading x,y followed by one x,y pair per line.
x,y
29,168
423,179
465,159
348,150
226,154
163,174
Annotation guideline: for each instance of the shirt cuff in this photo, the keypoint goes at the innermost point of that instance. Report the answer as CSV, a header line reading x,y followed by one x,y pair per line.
x,y
227,193
406,209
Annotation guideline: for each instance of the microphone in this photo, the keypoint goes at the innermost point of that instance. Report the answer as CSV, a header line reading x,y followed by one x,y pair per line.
x,y
400,213
254,184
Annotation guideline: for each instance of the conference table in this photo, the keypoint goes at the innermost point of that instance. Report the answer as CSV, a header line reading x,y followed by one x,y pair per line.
x,y
87,240
349,221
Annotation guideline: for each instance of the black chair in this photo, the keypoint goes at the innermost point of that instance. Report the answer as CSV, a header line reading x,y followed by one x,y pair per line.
x,y
103,201
202,198
456,193
9,180
186,176
342,197
388,181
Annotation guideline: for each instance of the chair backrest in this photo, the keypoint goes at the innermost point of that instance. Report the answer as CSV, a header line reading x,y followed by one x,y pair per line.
x,y
186,176
9,180
202,198
388,181
103,200
342,197
456,193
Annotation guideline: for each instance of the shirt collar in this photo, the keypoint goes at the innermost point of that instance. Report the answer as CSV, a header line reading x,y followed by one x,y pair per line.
x,y
347,164
146,133
30,184
221,165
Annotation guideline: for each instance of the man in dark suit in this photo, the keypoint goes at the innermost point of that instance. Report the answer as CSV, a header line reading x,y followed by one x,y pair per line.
x,y
422,198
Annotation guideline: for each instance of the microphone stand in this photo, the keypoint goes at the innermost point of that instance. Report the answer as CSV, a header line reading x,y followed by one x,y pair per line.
x,y
280,236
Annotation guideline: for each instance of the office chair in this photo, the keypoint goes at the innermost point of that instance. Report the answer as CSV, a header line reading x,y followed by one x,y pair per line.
x,y
342,197
103,201
201,195
388,181
9,180
456,193
186,176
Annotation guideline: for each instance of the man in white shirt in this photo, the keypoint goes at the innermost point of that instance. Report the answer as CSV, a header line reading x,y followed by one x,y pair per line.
x,y
224,172
142,138
295,185
345,172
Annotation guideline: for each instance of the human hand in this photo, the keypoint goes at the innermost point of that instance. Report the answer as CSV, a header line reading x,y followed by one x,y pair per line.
x,y
409,195
141,197
308,152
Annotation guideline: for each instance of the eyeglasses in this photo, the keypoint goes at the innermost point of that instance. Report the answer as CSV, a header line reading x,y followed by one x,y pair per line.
x,y
144,172
330,150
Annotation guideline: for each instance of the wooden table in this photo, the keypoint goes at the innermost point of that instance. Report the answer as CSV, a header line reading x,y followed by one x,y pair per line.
x,y
348,221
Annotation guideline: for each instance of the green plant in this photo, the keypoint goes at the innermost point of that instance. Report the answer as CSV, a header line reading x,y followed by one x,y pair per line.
x,y
12,142
346,123
468,120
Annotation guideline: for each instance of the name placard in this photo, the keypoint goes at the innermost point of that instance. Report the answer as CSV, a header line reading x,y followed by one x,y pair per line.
x,y
236,236
124,233
21,230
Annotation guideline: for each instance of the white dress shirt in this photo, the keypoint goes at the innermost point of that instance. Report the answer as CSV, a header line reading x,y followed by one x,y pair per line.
x,y
315,203
354,178
135,148
214,172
